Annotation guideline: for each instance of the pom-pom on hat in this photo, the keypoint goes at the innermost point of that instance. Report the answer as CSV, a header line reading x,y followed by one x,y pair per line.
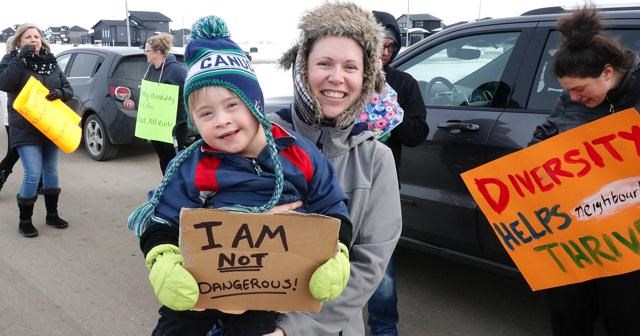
x,y
213,59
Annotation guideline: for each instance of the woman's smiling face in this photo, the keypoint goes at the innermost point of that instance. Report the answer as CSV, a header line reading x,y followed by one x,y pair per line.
x,y
335,71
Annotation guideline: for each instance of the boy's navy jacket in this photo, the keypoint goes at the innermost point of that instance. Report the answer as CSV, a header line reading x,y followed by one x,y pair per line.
x,y
214,179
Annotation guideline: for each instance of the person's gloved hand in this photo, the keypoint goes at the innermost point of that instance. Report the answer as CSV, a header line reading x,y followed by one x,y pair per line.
x,y
174,286
27,50
329,280
54,94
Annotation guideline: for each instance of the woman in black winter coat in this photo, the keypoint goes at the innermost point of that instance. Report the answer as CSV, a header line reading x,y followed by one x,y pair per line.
x,y
164,68
31,57
599,77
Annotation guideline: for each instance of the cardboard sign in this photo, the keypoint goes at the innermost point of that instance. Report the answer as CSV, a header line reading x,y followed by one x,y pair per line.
x,y
255,261
54,119
157,111
566,209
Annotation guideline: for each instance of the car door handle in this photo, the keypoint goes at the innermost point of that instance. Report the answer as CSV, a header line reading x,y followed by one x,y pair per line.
x,y
459,126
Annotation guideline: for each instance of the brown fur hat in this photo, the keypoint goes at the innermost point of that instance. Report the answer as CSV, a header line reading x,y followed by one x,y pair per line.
x,y
340,19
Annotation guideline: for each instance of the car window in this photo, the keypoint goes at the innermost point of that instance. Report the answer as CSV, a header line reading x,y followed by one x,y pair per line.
x,y
84,66
464,71
546,88
131,68
63,60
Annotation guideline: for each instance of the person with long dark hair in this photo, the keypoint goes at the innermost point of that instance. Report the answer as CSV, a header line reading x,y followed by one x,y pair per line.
x,y
599,77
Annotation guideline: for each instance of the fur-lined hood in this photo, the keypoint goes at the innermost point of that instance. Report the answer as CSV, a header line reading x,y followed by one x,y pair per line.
x,y
340,19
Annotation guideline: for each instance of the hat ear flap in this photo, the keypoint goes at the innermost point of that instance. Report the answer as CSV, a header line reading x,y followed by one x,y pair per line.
x,y
287,59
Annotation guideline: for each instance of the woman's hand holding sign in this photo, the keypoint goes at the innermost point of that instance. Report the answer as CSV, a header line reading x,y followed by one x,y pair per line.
x,y
329,280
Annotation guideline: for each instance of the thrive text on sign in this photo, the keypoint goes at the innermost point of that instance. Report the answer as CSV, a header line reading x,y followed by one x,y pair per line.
x,y
567,209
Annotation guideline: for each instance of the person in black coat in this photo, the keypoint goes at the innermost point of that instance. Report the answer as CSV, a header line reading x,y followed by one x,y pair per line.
x,y
164,68
599,77
31,56
383,311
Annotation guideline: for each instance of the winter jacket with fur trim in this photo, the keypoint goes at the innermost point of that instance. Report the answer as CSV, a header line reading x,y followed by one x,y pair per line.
x,y
367,174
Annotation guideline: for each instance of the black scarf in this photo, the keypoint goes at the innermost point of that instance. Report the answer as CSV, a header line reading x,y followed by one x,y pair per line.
x,y
44,63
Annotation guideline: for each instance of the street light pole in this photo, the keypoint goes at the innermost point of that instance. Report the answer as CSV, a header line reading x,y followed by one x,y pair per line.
x,y
126,8
408,24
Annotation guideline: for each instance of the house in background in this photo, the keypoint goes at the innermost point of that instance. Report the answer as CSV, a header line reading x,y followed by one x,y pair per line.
x,y
110,33
57,35
7,33
78,35
180,37
418,26
141,26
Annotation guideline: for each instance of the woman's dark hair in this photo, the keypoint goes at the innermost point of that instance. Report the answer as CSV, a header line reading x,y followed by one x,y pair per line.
x,y
585,49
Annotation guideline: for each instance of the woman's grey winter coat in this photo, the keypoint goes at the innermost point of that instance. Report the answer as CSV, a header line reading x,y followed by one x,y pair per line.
x,y
367,174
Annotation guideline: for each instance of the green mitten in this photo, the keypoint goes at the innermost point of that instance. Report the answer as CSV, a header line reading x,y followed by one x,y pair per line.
x,y
174,286
329,280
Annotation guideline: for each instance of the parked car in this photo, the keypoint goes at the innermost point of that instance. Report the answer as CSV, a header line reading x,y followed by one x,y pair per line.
x,y
106,86
486,86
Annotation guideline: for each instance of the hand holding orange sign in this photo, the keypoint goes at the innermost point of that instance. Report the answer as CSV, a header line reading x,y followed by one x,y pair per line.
x,y
53,118
566,209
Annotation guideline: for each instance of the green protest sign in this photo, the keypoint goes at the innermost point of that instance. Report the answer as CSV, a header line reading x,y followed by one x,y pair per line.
x,y
157,110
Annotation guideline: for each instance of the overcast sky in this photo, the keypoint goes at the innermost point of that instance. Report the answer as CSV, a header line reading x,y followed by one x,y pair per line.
x,y
259,20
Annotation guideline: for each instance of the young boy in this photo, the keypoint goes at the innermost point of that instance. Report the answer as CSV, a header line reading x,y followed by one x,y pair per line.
x,y
243,162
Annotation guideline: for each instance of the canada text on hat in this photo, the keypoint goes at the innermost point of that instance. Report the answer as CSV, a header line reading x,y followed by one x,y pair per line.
x,y
221,61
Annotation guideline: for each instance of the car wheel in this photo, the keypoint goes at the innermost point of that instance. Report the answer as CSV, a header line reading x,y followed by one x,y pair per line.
x,y
96,140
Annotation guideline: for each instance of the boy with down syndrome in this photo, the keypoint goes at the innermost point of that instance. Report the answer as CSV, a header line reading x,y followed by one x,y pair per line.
x,y
243,163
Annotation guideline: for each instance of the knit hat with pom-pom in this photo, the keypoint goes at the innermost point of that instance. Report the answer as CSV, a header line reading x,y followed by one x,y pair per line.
x,y
213,59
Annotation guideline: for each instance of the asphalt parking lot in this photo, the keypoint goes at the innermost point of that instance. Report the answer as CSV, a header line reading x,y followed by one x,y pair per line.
x,y
90,279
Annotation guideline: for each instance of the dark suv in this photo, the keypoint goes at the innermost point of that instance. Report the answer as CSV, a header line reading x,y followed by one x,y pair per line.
x,y
486,86
106,86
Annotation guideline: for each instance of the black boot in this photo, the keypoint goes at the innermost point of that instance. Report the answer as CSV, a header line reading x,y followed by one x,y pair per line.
x,y
51,203
4,173
26,227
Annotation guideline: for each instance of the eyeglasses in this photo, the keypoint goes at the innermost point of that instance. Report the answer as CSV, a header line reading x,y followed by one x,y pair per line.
x,y
390,47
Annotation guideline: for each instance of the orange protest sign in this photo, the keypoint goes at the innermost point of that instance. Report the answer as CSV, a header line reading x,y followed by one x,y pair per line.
x,y
255,261
566,209
53,118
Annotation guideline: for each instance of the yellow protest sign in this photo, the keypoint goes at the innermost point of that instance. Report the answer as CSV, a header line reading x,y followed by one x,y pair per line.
x,y
54,119
566,209
255,261
157,111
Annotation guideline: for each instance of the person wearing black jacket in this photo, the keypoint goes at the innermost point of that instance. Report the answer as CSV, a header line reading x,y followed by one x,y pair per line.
x,y
383,310
599,77
164,68
31,56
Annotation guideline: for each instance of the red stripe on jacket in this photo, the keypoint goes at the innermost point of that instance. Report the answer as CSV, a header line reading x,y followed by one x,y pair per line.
x,y
295,154
206,169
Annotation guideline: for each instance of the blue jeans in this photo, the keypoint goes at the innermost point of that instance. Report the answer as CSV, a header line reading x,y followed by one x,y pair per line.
x,y
38,161
383,304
